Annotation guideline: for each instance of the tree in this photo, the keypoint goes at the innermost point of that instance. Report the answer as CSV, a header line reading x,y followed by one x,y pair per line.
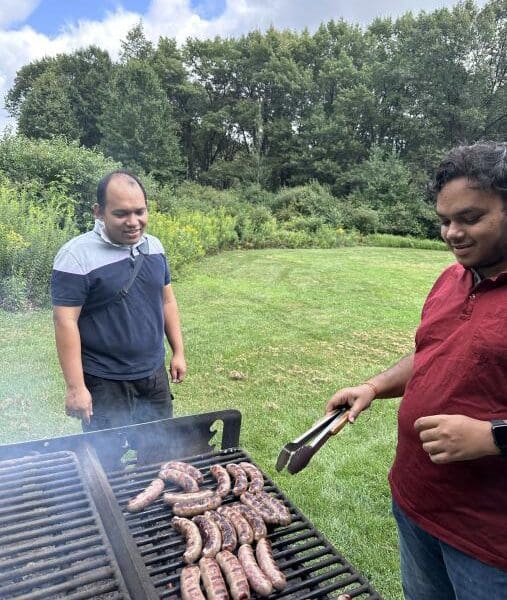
x,y
63,95
47,110
137,125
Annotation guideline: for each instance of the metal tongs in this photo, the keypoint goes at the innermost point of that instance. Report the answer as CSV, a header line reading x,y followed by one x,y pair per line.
x,y
297,454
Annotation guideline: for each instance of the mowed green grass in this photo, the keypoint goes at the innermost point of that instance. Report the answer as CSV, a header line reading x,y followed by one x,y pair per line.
x,y
273,333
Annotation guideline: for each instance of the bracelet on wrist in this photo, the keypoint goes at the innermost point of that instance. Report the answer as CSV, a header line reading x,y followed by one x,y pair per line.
x,y
372,386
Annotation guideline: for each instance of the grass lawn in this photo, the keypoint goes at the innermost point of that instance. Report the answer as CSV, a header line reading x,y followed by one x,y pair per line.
x,y
297,325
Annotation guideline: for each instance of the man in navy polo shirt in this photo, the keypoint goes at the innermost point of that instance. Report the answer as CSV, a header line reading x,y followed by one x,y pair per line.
x,y
111,344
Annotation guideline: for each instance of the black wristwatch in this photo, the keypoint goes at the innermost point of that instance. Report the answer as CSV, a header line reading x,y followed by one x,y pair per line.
x,y
499,431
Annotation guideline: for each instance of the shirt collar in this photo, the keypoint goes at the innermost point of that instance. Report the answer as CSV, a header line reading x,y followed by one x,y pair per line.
x,y
100,229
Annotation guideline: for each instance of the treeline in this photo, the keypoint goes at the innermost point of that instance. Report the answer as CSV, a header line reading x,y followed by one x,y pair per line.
x,y
280,139
281,108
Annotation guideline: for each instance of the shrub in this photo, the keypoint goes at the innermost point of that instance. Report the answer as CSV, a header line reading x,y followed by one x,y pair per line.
x,y
361,218
256,227
181,242
397,241
190,197
311,200
32,234
49,167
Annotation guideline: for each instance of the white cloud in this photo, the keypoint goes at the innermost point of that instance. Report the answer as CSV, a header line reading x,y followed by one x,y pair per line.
x,y
16,11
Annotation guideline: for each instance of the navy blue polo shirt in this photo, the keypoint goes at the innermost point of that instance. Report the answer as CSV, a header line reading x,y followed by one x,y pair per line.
x,y
125,339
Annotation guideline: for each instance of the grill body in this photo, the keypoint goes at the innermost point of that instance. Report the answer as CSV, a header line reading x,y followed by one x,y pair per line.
x,y
67,534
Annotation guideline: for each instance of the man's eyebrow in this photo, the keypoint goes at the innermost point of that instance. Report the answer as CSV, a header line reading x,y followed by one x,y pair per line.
x,y
464,211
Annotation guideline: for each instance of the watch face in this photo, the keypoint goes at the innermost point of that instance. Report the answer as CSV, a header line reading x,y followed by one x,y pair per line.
x,y
500,434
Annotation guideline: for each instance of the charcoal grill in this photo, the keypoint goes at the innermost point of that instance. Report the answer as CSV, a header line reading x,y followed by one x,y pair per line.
x,y
64,531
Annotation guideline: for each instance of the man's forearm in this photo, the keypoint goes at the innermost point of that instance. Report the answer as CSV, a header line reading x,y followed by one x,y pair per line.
x,y
172,327
68,345
392,382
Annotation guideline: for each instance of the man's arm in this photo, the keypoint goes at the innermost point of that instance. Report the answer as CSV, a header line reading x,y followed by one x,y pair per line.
x,y
78,400
388,384
172,328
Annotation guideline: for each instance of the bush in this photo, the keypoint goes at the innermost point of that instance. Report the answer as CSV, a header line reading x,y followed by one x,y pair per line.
x,y
256,227
386,198
311,200
182,243
191,197
397,241
360,218
32,235
49,167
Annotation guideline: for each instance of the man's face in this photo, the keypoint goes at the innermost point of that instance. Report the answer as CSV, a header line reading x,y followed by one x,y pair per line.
x,y
125,214
474,226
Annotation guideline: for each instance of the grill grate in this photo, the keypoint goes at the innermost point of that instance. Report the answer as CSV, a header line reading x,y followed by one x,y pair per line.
x,y
314,569
52,543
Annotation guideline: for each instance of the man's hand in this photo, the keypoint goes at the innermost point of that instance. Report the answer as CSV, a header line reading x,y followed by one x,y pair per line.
x,y
450,438
178,368
358,398
78,403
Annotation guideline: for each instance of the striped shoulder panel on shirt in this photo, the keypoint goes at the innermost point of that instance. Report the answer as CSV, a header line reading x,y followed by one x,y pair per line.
x,y
89,251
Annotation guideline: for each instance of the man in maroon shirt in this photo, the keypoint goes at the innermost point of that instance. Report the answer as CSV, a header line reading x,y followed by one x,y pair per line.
x,y
449,477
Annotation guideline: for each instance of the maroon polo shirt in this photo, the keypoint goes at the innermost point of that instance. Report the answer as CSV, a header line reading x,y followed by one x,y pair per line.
x,y
460,367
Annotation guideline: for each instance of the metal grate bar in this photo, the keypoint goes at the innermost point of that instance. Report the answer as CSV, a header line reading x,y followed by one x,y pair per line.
x,y
72,575
32,505
68,586
47,553
41,530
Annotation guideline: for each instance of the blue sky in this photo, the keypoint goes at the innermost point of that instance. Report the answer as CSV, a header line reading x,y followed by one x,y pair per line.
x,y
51,16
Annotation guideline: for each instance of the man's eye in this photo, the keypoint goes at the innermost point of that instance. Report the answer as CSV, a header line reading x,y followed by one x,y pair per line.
x,y
471,220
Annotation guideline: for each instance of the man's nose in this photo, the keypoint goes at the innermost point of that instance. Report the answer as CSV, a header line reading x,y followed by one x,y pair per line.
x,y
454,230
132,220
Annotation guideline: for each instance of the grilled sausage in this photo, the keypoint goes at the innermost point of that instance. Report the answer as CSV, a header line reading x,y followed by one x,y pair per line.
x,y
183,480
146,497
212,579
189,583
234,574
255,476
240,478
223,479
210,533
241,525
185,467
173,497
278,506
229,537
256,578
264,555
255,501
197,507
255,520
192,535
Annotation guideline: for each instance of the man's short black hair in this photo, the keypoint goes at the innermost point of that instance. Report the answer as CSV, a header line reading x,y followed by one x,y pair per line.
x,y
104,182
484,163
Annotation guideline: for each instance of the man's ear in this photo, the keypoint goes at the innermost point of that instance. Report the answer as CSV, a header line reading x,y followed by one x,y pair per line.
x,y
96,211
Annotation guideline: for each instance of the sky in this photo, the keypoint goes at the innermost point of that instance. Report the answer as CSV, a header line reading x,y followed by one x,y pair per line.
x,y
31,29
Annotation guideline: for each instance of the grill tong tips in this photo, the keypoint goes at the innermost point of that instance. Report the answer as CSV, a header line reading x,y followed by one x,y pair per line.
x,y
297,454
